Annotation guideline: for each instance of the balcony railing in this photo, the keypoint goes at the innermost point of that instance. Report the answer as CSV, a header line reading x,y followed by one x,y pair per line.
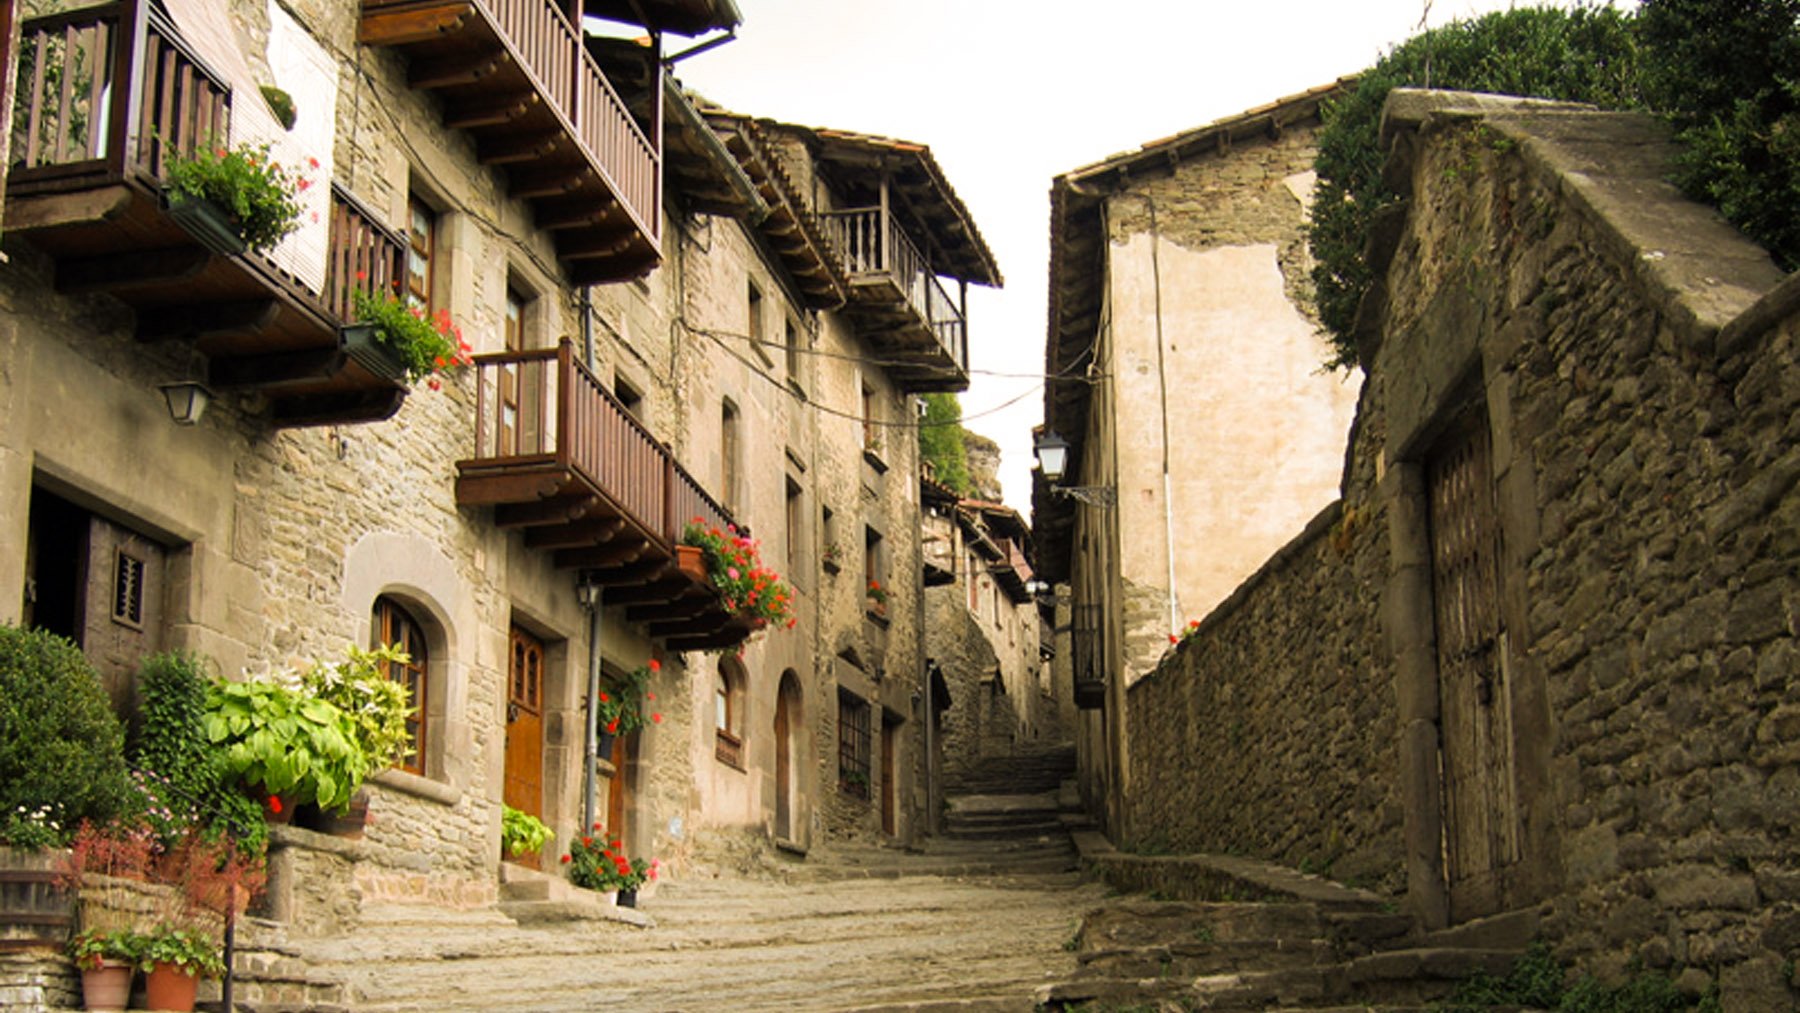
x,y
74,127
105,96
557,454
876,249
517,75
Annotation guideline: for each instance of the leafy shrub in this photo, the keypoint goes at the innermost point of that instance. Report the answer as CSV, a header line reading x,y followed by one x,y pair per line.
x,y
522,833
261,198
284,742
61,747
1536,981
1728,74
941,442
1587,55
377,706
168,742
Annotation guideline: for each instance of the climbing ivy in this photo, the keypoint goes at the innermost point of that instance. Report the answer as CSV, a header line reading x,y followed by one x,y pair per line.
x,y
941,442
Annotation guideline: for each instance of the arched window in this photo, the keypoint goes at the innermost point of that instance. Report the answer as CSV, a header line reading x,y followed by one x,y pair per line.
x,y
392,624
728,719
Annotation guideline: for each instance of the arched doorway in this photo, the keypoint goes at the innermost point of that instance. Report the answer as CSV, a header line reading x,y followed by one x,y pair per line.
x,y
789,719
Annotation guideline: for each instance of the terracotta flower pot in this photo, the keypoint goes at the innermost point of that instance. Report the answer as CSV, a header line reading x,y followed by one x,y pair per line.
x,y
171,987
107,987
691,561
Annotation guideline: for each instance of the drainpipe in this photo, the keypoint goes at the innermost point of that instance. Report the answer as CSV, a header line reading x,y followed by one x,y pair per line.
x,y
588,593
587,330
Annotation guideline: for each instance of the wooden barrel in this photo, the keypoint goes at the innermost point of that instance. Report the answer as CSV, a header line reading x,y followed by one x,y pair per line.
x,y
34,910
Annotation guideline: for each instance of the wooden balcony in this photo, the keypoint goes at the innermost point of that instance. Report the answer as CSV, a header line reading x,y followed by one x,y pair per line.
x,y
899,302
106,94
558,457
516,75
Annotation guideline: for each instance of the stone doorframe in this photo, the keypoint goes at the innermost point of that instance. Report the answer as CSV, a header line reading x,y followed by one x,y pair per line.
x,y
1455,359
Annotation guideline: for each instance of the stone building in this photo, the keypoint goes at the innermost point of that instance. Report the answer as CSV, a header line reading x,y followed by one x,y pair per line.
x,y
1538,660
676,313
990,680
1202,430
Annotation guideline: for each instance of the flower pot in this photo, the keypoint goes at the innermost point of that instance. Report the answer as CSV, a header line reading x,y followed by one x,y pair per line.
x,y
691,561
605,745
106,987
360,343
170,987
277,809
205,221
349,823
628,898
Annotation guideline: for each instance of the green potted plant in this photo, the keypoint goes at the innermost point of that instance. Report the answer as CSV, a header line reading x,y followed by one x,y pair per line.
x,y
598,864
734,565
878,598
623,707
174,960
233,199
285,744
521,833
106,959
832,557
399,341
378,708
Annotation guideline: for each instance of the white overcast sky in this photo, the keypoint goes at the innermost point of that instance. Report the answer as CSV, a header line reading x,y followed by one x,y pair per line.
x,y
1009,94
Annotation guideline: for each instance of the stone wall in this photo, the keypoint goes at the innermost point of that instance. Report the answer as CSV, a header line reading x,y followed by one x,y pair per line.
x,y
1269,731
1637,365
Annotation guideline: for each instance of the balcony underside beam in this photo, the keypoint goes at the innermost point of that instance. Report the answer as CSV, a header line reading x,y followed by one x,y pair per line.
x,y
586,534
491,111
243,317
110,272
525,487
337,407
619,552
276,369
560,510
417,24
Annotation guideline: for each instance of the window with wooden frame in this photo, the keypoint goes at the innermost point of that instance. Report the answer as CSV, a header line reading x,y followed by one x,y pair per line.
x,y
421,251
753,324
393,624
853,745
728,453
791,342
871,425
875,571
796,528
728,721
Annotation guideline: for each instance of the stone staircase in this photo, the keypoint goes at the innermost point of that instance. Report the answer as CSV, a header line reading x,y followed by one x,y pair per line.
x,y
1304,943
1007,817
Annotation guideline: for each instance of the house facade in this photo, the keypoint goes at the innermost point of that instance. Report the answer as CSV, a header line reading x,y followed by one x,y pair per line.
x,y
671,322
1185,359
990,677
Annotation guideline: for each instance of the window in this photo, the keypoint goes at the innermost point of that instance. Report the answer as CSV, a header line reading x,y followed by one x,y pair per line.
x,y
796,528
754,325
728,720
728,453
392,624
421,252
853,744
791,340
128,590
629,398
515,320
875,571
871,430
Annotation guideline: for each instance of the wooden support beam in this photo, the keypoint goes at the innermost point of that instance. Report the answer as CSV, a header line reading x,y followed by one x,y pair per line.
x,y
516,148
658,590
595,243
526,487
617,553
567,213
246,317
48,211
574,536
710,642
109,271
490,111
276,370
684,607
699,626
640,572
599,272
456,69
337,407
417,24
560,510
547,181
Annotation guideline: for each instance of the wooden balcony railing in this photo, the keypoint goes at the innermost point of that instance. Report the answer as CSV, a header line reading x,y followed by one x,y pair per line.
x,y
76,127
105,97
544,407
557,454
875,247
519,77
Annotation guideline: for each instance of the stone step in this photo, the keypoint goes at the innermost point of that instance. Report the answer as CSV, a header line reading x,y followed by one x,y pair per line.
x,y
1194,958
1134,923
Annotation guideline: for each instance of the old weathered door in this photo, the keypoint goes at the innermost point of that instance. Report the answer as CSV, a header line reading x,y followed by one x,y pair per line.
x,y
1481,820
889,789
784,795
524,787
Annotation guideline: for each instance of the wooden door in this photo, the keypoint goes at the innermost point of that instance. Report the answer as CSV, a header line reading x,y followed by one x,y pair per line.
x,y
524,787
890,824
1481,820
784,767
618,791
